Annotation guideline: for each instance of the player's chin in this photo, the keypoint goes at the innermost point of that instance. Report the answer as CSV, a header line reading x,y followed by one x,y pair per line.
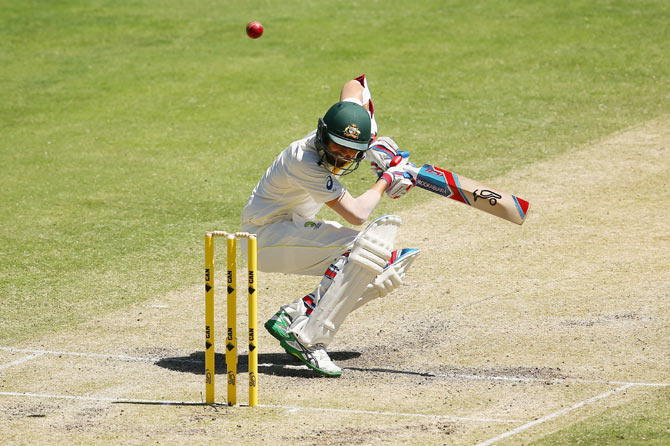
x,y
343,164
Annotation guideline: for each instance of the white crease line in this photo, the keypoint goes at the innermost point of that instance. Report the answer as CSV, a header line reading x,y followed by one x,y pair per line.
x,y
413,372
85,355
289,409
99,399
284,366
553,415
542,380
520,379
21,361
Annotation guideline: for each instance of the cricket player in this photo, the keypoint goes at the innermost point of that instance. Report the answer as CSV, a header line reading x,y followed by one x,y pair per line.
x,y
356,266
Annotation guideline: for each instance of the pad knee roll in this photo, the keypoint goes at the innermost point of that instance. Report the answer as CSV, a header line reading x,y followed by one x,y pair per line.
x,y
372,248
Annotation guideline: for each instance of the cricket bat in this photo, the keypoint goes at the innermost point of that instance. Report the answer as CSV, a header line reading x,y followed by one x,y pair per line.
x,y
470,192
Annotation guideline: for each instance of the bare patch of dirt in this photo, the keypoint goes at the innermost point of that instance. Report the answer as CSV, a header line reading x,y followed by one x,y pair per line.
x,y
372,435
606,319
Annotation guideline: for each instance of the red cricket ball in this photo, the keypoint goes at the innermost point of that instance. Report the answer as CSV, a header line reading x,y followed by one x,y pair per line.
x,y
254,30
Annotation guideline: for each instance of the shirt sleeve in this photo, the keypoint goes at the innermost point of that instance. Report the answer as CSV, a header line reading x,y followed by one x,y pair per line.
x,y
367,98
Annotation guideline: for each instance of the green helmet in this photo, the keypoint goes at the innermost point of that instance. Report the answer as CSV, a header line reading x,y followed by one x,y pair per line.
x,y
347,124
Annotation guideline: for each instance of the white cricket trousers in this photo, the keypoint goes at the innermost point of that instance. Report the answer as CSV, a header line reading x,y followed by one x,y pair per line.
x,y
298,246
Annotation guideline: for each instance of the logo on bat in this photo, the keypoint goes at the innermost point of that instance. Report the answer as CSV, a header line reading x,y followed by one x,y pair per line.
x,y
487,195
433,180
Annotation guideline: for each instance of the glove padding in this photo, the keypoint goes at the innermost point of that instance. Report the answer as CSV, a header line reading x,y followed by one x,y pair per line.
x,y
382,152
399,181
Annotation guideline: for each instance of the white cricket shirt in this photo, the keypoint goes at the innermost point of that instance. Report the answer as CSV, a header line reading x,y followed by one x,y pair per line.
x,y
295,185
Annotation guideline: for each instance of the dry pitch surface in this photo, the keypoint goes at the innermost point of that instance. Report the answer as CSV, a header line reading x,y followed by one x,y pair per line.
x,y
500,335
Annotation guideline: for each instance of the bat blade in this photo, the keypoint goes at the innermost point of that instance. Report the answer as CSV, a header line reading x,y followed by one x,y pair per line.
x,y
470,192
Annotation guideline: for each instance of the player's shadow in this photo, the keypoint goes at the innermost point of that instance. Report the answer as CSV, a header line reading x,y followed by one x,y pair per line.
x,y
278,364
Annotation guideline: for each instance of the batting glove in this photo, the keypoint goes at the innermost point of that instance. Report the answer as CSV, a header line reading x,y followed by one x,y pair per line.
x,y
382,152
399,181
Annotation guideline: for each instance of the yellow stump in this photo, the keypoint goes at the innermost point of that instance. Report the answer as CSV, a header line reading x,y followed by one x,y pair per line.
x,y
209,319
253,308
231,338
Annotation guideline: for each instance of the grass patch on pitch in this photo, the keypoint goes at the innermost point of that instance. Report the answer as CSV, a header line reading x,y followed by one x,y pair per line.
x,y
128,129
643,421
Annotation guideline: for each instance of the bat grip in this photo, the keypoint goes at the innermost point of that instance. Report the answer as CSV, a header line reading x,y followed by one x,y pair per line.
x,y
395,161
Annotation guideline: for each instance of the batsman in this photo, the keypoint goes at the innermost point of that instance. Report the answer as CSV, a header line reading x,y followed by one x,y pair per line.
x,y
355,266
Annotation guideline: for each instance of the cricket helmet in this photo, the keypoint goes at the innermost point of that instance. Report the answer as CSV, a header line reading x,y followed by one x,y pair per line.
x,y
346,124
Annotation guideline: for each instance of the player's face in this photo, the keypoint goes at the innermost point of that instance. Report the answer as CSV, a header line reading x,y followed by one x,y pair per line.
x,y
344,155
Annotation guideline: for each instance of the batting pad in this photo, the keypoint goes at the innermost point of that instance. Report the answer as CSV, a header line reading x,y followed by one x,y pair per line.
x,y
369,254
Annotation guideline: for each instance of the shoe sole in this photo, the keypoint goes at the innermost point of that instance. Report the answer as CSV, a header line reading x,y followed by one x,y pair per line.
x,y
298,355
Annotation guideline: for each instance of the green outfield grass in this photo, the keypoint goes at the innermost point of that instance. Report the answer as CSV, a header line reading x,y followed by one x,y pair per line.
x,y
129,128
643,422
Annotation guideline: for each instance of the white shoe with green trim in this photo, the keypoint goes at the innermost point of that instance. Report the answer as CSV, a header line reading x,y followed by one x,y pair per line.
x,y
315,358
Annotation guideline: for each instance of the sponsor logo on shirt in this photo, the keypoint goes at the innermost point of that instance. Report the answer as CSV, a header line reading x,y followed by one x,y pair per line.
x,y
329,183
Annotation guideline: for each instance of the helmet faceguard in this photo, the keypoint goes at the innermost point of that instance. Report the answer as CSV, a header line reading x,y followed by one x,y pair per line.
x,y
348,125
336,163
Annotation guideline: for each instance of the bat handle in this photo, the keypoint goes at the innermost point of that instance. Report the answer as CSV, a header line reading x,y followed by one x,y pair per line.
x,y
395,161
409,167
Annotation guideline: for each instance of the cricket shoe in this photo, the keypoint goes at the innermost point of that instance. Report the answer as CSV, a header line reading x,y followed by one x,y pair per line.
x,y
278,325
315,358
